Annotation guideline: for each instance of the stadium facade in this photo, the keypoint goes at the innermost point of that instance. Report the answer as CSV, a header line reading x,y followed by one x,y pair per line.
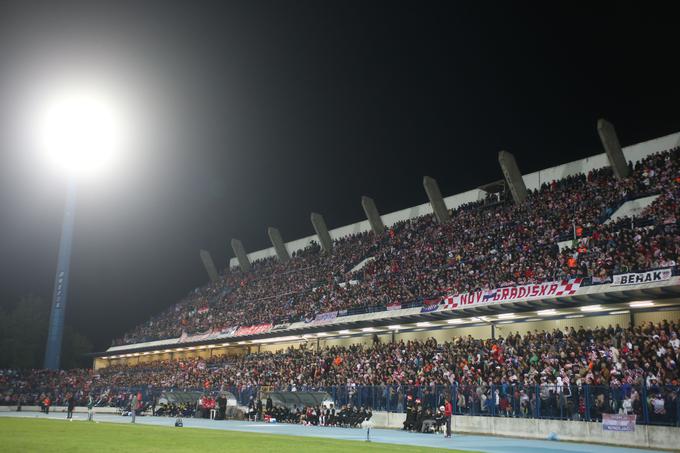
x,y
627,299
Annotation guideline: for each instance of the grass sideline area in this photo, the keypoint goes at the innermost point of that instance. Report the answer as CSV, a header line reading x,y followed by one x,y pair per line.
x,y
28,435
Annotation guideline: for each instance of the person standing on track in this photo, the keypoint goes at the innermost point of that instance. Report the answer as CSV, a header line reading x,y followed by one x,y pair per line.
x,y
47,402
70,405
269,405
448,412
90,407
133,406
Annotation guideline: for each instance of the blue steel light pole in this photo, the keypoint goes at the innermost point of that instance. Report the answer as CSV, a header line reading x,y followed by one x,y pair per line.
x,y
59,296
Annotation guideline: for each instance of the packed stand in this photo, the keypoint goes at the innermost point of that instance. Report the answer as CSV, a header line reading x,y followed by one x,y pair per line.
x,y
568,374
485,245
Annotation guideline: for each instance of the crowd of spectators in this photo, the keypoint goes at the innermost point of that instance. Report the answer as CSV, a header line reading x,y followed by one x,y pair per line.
x,y
516,376
347,416
486,245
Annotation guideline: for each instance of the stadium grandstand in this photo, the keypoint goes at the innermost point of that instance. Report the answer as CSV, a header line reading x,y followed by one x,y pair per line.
x,y
550,296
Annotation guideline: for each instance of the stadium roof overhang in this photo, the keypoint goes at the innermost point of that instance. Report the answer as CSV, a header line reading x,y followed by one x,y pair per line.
x,y
596,301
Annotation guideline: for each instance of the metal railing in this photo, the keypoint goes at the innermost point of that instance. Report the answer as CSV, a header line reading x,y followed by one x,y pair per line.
x,y
656,405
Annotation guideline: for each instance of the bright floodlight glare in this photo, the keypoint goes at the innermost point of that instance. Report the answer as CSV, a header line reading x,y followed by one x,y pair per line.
x,y
80,129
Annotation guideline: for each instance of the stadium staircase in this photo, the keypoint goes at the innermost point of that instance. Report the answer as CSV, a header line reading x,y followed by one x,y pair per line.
x,y
632,208
362,263
628,209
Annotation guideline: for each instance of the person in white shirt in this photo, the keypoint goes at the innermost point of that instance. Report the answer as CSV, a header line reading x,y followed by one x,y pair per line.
x,y
627,407
650,378
674,341
659,405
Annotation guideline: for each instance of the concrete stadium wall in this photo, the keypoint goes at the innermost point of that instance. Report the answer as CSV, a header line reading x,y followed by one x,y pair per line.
x,y
658,437
632,153
277,347
365,340
445,334
656,316
532,181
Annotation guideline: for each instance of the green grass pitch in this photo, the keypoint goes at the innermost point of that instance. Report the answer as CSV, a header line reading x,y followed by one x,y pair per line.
x,y
32,435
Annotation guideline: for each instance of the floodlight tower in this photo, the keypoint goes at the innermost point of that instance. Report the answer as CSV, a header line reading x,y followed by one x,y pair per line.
x,y
61,280
79,129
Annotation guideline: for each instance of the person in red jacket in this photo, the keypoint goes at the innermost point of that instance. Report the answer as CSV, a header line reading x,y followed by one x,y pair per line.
x,y
448,411
47,403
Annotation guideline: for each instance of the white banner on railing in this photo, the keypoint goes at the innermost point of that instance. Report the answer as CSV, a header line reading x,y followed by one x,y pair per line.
x,y
635,278
618,422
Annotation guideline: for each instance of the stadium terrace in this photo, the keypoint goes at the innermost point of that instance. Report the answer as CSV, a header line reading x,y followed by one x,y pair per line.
x,y
553,295
585,238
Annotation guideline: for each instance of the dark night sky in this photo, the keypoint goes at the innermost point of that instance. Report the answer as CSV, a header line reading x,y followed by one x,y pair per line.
x,y
257,113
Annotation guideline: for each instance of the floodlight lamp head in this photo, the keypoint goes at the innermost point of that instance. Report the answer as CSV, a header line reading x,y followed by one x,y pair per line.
x,y
80,129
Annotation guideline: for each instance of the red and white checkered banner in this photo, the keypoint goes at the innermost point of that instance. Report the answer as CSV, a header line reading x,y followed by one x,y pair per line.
x,y
511,294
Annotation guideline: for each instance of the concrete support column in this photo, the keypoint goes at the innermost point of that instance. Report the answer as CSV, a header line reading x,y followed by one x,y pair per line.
x,y
493,331
241,256
321,229
436,200
209,265
610,142
513,176
377,225
279,246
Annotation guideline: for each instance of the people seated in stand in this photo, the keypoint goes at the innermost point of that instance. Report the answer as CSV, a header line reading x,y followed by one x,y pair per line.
x,y
484,246
538,374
